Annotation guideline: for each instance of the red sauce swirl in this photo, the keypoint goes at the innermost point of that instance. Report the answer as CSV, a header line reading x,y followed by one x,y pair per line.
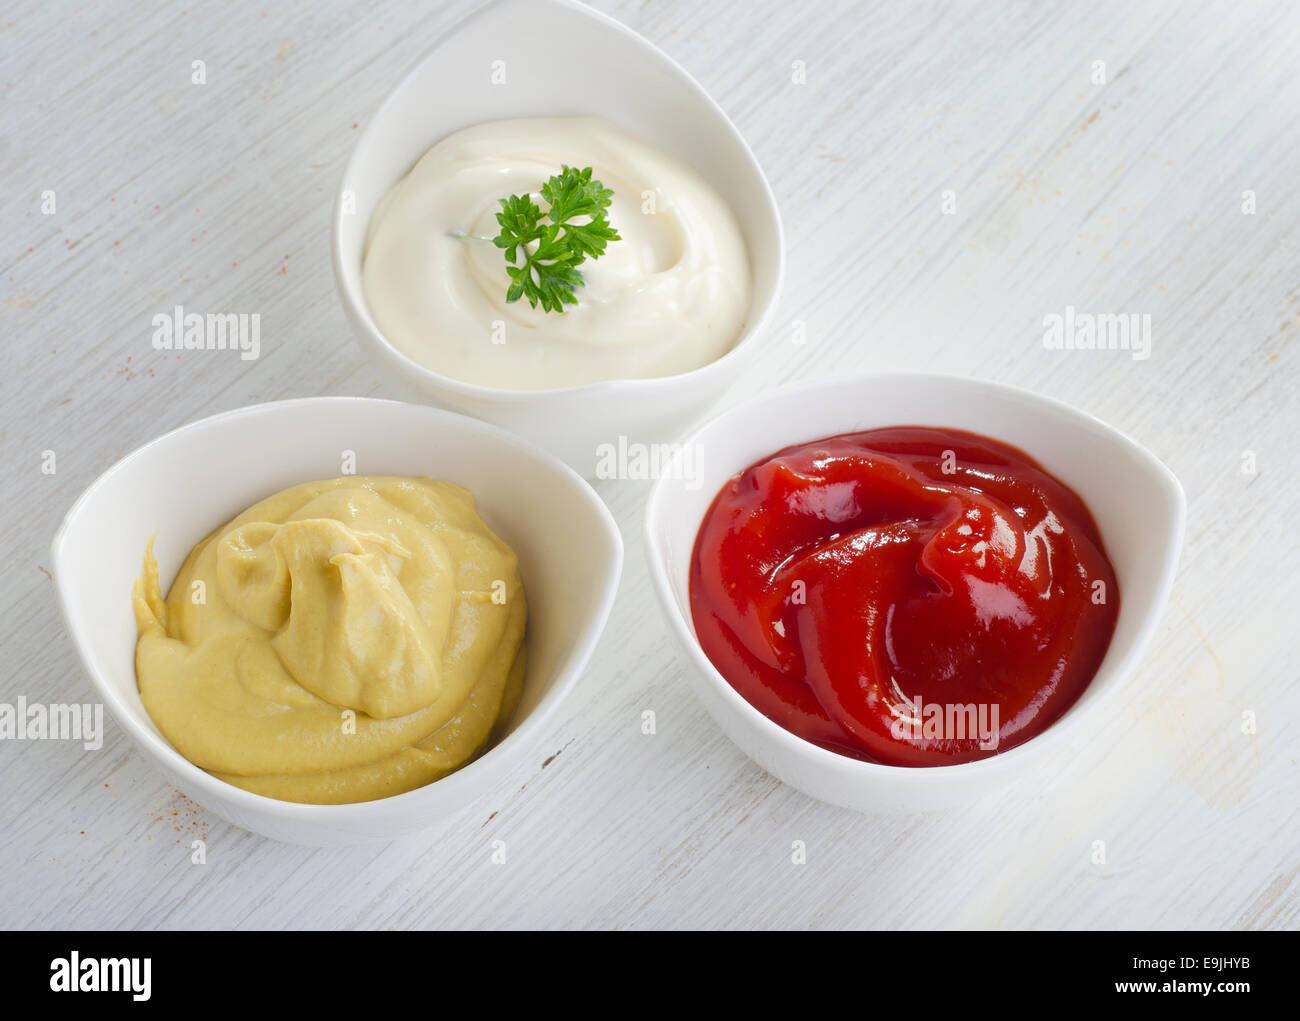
x,y
860,589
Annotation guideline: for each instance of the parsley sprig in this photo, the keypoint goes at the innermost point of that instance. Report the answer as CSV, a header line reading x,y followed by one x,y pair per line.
x,y
552,244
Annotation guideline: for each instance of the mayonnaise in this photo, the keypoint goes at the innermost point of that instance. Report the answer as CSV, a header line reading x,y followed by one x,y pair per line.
x,y
670,296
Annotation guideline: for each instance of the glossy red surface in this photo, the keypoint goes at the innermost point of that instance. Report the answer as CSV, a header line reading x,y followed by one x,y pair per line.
x,y
837,582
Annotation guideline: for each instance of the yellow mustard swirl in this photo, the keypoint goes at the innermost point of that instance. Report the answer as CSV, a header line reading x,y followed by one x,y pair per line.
x,y
339,641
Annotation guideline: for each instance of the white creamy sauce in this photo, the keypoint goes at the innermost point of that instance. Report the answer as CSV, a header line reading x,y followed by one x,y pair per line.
x,y
671,296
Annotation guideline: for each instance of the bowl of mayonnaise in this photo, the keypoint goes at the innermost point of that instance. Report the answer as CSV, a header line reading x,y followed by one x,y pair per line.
x,y
584,252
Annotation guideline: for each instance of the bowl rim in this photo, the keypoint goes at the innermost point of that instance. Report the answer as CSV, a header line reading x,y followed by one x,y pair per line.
x,y
353,299
705,674
170,759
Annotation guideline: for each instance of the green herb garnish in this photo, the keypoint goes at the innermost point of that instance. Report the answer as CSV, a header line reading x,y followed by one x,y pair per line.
x,y
549,271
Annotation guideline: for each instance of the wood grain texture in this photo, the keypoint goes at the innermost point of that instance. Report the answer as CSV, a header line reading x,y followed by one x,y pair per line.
x,y
1120,197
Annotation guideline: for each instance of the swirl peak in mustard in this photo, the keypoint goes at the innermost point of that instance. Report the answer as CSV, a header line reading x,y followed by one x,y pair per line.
x,y
340,641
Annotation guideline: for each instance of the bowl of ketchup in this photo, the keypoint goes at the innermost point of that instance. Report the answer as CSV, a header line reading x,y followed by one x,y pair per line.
x,y
899,592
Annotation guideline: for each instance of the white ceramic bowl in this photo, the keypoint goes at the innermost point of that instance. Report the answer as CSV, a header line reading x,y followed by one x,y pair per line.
x,y
1136,501
620,77
188,482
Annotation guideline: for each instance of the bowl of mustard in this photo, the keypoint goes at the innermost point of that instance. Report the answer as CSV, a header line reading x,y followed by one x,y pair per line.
x,y
337,620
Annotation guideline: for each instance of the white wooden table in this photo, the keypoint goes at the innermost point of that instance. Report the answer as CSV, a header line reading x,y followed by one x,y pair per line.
x,y
1123,196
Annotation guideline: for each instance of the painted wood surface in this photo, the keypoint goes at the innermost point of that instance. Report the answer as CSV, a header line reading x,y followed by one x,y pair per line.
x,y
949,175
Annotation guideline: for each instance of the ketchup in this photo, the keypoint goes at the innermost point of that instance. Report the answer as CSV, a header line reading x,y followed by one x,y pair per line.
x,y
909,596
